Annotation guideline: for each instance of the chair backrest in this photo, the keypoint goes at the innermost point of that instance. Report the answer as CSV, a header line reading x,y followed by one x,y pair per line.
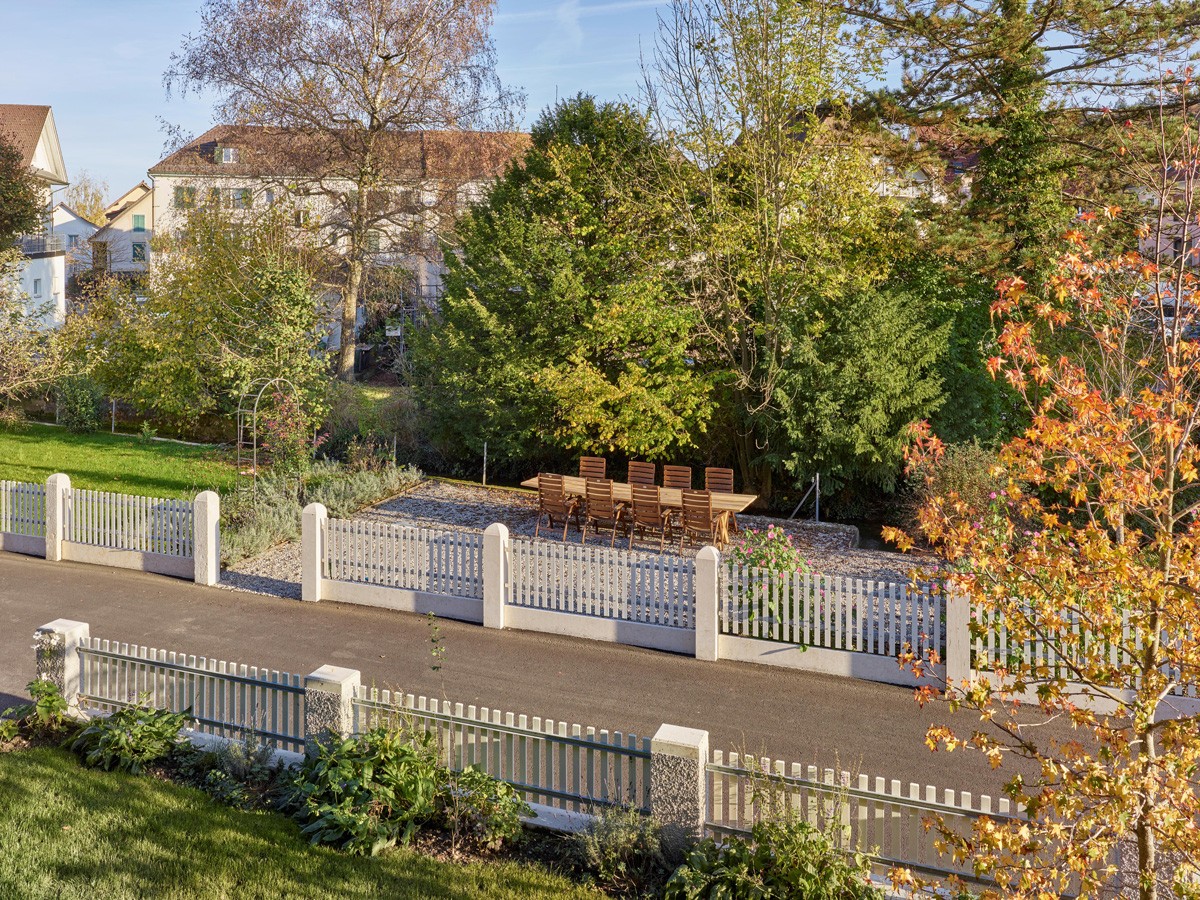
x,y
600,503
551,497
647,507
697,511
641,472
593,467
720,480
678,477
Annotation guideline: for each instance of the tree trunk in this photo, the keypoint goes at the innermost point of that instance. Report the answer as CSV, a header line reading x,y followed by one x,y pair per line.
x,y
345,366
1147,861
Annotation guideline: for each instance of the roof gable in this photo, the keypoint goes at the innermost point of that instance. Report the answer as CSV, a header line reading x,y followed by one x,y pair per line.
x,y
33,132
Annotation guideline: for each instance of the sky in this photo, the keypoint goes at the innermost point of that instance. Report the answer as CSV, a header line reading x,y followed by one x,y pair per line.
x,y
103,75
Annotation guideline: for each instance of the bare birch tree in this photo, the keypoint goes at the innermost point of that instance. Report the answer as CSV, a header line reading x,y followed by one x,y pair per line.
x,y
347,80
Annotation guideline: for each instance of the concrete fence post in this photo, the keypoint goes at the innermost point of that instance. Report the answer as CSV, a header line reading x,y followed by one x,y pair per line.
x,y
497,565
329,705
57,651
58,498
312,550
679,783
206,543
708,604
958,638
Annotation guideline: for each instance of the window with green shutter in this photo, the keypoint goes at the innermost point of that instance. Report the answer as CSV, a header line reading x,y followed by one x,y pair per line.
x,y
139,223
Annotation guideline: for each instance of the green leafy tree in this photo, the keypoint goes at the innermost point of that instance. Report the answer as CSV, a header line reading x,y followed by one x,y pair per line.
x,y
229,302
783,240
31,354
21,204
557,332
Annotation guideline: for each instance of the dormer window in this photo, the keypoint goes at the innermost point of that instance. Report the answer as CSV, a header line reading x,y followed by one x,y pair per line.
x,y
226,155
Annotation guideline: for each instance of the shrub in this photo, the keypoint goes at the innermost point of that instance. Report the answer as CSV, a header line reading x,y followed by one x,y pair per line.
x,y
771,549
479,810
80,404
964,470
241,774
623,852
366,793
789,859
46,715
130,739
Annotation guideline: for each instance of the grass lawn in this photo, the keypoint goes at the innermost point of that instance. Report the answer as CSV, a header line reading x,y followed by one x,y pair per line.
x,y
108,462
66,832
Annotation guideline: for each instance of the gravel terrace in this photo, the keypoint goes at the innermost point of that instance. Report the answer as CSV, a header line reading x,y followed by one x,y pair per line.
x,y
830,548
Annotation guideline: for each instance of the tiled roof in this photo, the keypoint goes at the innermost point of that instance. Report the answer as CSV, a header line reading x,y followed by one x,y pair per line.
x,y
22,124
450,155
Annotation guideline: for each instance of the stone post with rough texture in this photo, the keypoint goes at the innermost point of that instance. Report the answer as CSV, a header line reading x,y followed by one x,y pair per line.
x,y
497,557
58,493
57,647
958,638
328,704
708,568
312,550
206,543
679,783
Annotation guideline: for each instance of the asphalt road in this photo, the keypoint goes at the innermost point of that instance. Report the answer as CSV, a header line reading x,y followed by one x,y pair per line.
x,y
794,716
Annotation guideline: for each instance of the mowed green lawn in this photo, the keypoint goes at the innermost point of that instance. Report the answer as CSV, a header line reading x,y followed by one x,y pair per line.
x,y
70,832
113,462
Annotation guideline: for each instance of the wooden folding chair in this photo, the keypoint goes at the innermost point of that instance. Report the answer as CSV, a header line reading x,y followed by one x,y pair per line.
x,y
721,481
699,521
648,514
602,509
553,503
641,472
593,467
678,477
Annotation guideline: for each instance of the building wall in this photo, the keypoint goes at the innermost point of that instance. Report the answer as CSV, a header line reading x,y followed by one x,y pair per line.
x,y
43,279
128,249
76,232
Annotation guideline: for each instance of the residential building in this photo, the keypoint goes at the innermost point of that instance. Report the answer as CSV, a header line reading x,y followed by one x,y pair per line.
x,y
76,232
430,176
32,131
122,245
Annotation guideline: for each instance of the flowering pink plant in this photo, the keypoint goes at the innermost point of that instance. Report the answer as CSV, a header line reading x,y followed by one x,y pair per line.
x,y
771,549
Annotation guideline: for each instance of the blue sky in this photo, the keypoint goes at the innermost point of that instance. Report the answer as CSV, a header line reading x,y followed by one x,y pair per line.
x,y
104,77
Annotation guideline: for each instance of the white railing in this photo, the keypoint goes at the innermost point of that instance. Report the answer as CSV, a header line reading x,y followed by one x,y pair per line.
x,y
23,508
833,612
598,581
552,763
228,699
125,522
884,819
402,556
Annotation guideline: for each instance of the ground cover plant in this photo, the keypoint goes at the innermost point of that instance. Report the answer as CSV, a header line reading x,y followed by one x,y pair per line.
x,y
68,832
108,462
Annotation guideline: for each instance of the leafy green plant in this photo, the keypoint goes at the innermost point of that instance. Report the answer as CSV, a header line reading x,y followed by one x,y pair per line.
x,y
623,852
772,549
788,859
481,811
242,774
130,739
45,715
80,404
147,433
366,793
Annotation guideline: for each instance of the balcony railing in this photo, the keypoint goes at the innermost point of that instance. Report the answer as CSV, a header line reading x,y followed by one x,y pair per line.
x,y
40,244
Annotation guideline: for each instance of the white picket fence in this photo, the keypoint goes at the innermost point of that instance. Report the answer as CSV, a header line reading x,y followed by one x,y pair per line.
x,y
608,583
127,522
228,699
23,508
832,612
401,556
556,764
882,818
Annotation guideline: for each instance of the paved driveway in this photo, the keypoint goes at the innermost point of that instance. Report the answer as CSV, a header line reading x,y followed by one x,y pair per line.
x,y
812,719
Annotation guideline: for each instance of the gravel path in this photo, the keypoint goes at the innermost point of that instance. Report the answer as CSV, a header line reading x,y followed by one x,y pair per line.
x,y
829,548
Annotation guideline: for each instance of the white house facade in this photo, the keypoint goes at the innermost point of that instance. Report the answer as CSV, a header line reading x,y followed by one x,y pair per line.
x,y
75,232
122,245
32,131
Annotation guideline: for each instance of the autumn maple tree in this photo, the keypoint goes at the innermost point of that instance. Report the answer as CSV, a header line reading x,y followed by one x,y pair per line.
x,y
1081,570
